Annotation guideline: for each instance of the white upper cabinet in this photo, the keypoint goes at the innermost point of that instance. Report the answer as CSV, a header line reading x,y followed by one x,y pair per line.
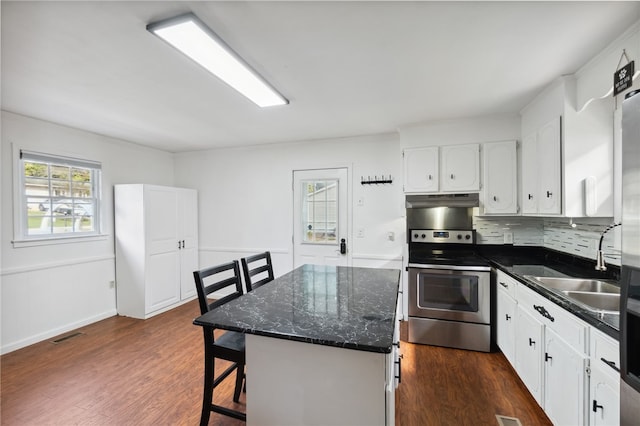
x,y
541,170
500,178
421,172
460,168
567,155
454,168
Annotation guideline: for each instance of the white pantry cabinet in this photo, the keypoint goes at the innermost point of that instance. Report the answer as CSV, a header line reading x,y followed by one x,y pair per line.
x,y
450,168
156,248
500,178
567,155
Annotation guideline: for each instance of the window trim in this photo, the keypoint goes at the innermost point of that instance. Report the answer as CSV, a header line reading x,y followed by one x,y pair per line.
x,y
21,239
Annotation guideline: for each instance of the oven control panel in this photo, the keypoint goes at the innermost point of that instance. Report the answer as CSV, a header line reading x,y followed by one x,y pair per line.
x,y
442,236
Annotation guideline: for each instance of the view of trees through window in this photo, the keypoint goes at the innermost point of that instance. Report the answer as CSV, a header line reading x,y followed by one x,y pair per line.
x,y
320,211
59,198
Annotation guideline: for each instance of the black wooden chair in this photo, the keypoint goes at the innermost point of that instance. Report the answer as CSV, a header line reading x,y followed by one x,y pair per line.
x,y
229,346
257,270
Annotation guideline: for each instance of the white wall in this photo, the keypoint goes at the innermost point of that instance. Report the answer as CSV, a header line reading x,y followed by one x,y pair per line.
x,y
461,131
47,290
245,197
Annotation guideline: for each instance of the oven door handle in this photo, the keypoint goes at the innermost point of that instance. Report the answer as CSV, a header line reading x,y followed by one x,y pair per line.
x,y
450,267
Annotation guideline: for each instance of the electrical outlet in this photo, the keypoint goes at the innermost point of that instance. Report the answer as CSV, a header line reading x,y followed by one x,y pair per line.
x,y
508,237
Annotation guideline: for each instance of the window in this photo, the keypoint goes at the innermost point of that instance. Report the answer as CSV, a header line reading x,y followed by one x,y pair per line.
x,y
320,211
59,196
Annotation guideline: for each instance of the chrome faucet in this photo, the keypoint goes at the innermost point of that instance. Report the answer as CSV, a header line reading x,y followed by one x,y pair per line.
x,y
600,265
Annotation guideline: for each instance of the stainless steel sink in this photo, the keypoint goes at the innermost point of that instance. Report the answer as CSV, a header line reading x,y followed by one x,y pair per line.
x,y
601,302
577,284
595,295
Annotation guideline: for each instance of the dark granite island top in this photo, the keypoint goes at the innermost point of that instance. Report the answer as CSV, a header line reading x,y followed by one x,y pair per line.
x,y
345,307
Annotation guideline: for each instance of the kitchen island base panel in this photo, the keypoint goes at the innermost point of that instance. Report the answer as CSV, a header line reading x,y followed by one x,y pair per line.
x,y
450,334
296,383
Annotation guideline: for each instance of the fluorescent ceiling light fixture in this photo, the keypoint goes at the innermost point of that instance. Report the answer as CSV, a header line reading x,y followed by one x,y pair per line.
x,y
193,38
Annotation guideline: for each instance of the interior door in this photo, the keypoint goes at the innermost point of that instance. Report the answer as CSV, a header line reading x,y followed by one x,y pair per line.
x,y
320,217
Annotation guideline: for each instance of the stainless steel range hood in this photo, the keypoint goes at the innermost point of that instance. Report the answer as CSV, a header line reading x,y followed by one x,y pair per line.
x,y
442,200
441,211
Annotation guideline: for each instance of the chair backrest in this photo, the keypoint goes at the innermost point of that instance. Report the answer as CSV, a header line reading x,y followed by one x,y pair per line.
x,y
257,270
217,278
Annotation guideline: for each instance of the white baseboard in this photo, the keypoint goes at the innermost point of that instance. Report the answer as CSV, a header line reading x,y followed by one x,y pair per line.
x,y
55,332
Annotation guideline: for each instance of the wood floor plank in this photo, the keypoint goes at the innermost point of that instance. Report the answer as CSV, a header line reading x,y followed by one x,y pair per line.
x,y
124,371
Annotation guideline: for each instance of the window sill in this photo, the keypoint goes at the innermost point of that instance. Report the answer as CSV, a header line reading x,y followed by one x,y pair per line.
x,y
58,240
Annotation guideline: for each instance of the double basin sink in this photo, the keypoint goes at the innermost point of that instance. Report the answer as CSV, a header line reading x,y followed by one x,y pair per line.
x,y
595,295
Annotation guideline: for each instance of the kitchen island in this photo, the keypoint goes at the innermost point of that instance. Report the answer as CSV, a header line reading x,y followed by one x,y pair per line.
x,y
320,346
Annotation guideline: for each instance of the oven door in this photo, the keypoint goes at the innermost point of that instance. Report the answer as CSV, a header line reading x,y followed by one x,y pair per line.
x,y
450,294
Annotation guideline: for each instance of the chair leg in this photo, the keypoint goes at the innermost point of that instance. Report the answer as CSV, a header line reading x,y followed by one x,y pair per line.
x,y
239,379
207,396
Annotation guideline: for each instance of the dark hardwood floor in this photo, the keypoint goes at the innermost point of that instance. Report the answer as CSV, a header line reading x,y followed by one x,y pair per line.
x,y
123,371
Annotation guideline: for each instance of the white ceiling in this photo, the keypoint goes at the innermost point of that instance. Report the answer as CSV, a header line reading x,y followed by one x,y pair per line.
x,y
348,68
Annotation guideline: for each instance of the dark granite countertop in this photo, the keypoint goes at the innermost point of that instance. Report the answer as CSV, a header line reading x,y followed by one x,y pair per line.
x,y
346,307
521,261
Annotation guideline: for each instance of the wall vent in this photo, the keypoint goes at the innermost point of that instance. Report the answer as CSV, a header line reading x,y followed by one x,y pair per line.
x,y
65,338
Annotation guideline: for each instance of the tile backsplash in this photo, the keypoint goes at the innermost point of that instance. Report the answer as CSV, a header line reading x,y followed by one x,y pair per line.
x,y
579,237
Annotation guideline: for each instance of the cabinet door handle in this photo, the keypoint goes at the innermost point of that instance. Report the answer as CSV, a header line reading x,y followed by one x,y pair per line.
x,y
610,364
531,342
549,194
547,357
452,176
504,285
399,362
507,317
430,177
495,198
530,196
542,311
179,245
596,406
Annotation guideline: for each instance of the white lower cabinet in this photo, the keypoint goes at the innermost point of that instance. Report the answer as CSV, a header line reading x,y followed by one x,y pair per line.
x,y
506,316
564,381
529,352
604,387
569,367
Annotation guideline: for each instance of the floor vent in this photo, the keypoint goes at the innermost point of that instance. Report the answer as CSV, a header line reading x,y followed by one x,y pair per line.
x,y
507,421
65,338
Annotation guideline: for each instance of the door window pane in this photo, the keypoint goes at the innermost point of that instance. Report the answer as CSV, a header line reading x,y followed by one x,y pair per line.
x,y
320,211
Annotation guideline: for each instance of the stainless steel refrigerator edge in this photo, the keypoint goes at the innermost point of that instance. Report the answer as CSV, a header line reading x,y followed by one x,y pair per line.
x,y
630,278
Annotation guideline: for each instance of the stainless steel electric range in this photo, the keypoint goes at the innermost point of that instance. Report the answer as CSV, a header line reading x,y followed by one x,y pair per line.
x,y
449,283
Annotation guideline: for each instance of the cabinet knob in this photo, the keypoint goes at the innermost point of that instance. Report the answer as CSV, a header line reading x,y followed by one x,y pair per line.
x,y
430,177
530,196
549,194
495,198
452,176
504,284
507,316
547,357
531,342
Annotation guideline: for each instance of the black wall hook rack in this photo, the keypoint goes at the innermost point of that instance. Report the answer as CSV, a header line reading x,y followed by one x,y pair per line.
x,y
375,180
